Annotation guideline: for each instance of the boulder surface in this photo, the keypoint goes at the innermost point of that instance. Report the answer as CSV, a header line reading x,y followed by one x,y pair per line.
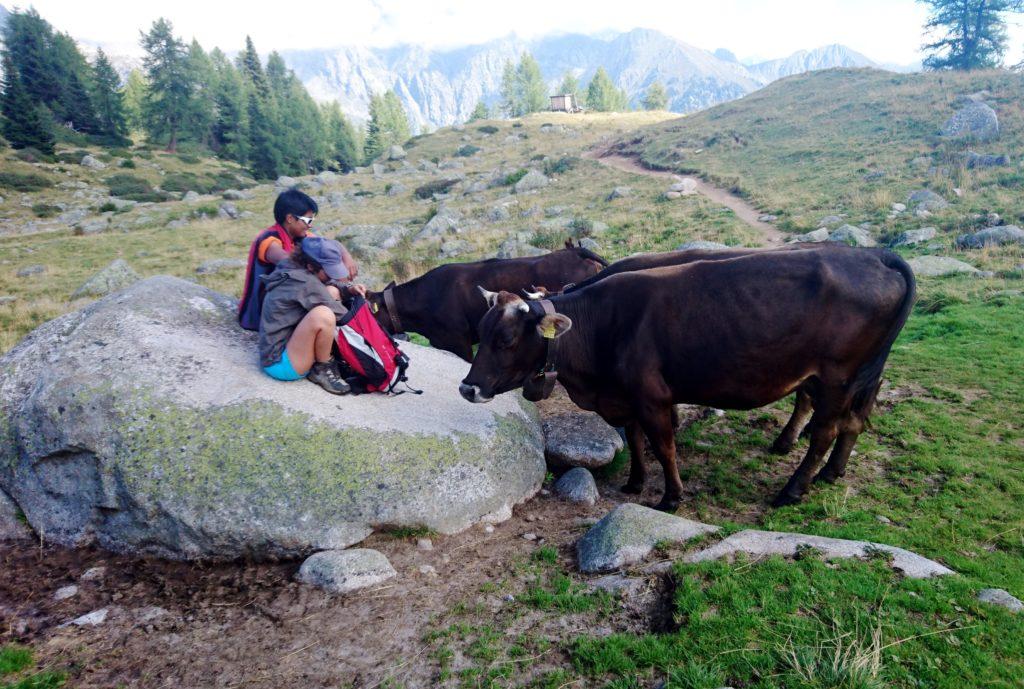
x,y
343,571
143,423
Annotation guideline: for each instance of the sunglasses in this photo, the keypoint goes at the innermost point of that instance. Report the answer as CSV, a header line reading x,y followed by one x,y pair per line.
x,y
308,221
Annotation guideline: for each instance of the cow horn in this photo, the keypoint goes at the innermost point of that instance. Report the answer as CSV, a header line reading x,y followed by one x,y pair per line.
x,y
491,297
533,296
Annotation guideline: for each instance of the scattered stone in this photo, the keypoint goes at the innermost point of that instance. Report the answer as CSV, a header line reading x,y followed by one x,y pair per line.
x,y
991,236
424,544
488,528
993,219
628,533
975,160
218,265
555,211
577,485
530,536
450,248
158,426
684,187
620,193
578,438
883,519
618,585
94,574
939,266
819,235
764,543
899,207
327,177
854,236
177,224
89,227
927,200
767,217
227,211
701,244
975,120
396,189
190,197
344,571
830,220
12,528
874,175
396,152
92,163
6,299
517,248
285,182
499,214
28,271
427,570
1000,597
115,276
531,181
65,592
235,195
92,619
336,199
74,216
590,244
445,221
912,237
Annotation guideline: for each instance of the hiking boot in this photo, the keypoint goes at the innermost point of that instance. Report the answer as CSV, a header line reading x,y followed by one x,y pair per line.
x,y
325,374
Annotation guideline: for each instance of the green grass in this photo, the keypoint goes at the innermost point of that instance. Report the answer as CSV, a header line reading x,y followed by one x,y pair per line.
x,y
16,663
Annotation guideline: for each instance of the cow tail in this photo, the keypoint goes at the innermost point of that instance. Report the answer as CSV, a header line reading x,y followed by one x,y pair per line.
x,y
588,254
865,382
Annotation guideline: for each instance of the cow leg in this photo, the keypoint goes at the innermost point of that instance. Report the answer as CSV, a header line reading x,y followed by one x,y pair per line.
x,y
657,424
850,427
824,428
637,468
788,437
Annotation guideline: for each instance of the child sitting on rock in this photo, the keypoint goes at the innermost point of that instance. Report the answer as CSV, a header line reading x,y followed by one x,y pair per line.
x,y
300,313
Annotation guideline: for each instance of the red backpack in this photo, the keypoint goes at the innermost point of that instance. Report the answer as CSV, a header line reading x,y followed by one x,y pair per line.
x,y
374,360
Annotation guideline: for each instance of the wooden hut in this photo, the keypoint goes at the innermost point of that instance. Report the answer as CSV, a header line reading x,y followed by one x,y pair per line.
x,y
565,102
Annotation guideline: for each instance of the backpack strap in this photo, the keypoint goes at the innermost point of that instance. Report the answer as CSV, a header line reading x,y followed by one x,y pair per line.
x,y
389,303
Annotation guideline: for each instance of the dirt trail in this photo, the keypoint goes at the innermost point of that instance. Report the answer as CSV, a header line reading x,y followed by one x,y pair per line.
x,y
771,236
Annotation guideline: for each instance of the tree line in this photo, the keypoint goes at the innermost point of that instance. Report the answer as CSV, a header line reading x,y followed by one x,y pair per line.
x,y
258,115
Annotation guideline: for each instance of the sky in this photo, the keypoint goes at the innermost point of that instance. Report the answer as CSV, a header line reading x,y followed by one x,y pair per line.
x,y
887,31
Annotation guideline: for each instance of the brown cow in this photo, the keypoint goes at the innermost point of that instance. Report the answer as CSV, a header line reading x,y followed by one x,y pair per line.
x,y
733,334
444,304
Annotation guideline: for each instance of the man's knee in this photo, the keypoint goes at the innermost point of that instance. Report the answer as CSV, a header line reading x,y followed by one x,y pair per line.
x,y
334,292
323,315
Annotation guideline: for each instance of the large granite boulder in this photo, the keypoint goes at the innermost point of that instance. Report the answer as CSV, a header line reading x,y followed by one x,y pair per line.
x,y
975,120
143,424
939,266
991,236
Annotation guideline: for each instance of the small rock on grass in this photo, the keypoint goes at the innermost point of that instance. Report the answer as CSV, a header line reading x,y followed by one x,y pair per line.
x,y
1000,597
65,592
424,544
343,571
92,619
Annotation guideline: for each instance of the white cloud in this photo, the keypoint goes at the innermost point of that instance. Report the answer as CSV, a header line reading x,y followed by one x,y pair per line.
x,y
884,30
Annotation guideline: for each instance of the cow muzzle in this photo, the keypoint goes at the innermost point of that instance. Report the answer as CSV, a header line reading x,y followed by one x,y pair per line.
x,y
472,393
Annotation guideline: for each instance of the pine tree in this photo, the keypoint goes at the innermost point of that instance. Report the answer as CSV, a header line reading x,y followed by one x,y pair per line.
x,y
110,111
480,112
973,33
230,128
74,105
166,103
602,96
132,96
23,126
264,157
28,39
378,137
398,122
570,85
533,92
338,131
656,97
199,115
250,65
509,90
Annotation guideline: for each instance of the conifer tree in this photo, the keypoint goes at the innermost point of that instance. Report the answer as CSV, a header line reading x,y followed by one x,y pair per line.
x,y
656,97
250,65
533,92
973,33
28,39
199,116
341,135
398,122
509,90
480,112
74,105
602,96
264,157
132,96
570,85
167,100
107,98
229,134
23,126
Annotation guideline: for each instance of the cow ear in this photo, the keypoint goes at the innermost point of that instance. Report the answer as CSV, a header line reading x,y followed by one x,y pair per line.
x,y
389,285
554,325
491,297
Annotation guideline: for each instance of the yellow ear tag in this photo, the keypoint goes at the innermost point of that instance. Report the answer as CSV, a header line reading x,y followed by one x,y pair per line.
x,y
374,308
548,331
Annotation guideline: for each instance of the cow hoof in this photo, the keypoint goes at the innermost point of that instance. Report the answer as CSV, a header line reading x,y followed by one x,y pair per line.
x,y
779,447
633,488
783,499
669,506
827,477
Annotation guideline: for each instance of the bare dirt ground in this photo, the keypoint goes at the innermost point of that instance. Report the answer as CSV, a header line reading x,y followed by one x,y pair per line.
x,y
771,235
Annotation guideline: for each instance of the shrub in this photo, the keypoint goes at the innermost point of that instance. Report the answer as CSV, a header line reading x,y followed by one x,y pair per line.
x,y
45,210
128,163
189,159
440,186
488,129
517,125
108,207
581,227
552,240
563,164
515,177
19,181
133,188
467,151
188,181
32,155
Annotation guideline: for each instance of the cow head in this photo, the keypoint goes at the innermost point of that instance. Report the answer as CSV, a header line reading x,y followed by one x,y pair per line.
x,y
380,309
512,347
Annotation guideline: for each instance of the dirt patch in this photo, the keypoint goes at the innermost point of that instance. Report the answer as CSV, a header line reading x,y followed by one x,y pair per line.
x,y
770,235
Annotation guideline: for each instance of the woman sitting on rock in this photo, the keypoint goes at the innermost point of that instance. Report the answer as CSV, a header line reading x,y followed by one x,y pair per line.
x,y
300,313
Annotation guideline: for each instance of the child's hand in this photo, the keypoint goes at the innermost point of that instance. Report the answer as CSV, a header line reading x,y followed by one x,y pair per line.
x,y
359,290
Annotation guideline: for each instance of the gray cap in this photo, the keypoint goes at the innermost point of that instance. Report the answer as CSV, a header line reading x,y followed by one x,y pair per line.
x,y
327,253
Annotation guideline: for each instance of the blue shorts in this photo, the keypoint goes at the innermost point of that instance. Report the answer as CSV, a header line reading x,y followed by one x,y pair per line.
x,y
283,369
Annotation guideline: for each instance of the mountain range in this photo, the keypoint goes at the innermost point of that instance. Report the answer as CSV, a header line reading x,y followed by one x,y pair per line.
x,y
441,87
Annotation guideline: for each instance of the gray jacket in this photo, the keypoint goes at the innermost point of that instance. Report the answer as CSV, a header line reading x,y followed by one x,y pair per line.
x,y
291,292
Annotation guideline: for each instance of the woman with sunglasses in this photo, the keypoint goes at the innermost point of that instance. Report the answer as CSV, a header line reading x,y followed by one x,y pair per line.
x,y
294,213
